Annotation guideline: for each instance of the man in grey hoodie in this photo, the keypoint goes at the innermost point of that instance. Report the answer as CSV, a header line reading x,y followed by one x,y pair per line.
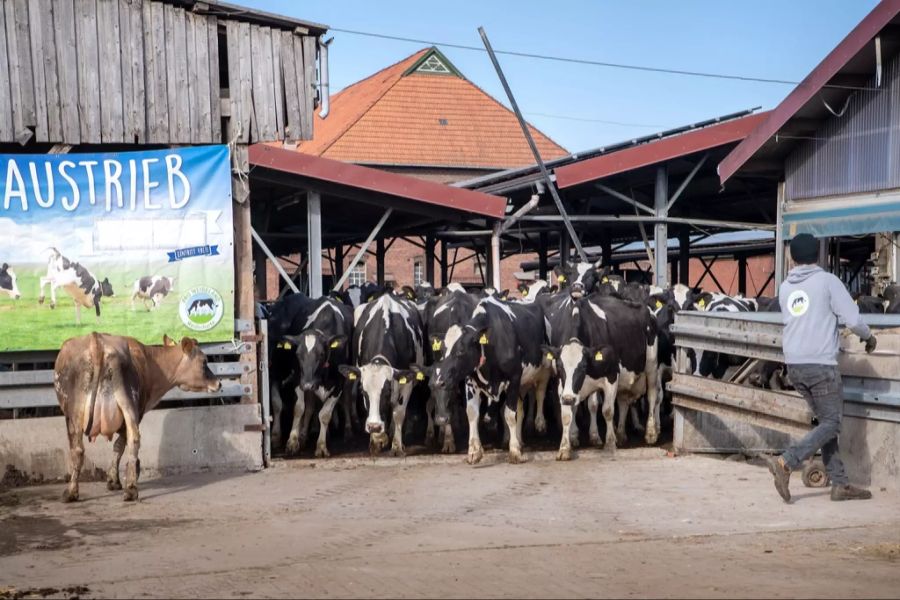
x,y
813,302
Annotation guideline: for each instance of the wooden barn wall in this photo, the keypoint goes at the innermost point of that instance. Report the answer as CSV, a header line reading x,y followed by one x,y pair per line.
x,y
144,72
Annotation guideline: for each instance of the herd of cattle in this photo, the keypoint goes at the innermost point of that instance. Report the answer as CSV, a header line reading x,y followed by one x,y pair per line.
x,y
603,343
85,289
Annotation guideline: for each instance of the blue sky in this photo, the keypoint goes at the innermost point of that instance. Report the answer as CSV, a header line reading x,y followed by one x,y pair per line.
x,y
765,38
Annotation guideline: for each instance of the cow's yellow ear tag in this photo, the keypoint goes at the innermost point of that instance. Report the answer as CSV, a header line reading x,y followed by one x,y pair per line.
x,y
659,304
524,293
436,345
352,376
561,278
280,345
287,346
483,340
604,280
549,356
335,344
402,381
598,356
702,302
420,376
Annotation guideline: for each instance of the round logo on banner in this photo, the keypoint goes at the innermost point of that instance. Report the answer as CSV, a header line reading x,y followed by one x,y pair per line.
x,y
201,308
798,303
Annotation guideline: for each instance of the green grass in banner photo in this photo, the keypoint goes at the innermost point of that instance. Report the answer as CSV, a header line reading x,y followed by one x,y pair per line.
x,y
27,325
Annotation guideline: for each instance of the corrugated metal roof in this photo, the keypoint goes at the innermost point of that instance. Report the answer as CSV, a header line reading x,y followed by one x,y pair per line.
x,y
810,88
657,151
374,180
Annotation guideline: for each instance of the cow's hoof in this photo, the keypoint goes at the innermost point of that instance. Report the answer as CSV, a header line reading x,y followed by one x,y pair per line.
x,y
610,447
69,496
621,439
293,446
449,446
322,451
113,486
651,437
540,425
564,454
595,441
41,300
398,452
515,457
430,440
574,441
52,305
475,456
130,495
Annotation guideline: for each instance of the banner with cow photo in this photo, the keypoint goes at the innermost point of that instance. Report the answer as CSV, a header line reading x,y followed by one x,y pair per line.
x,y
130,243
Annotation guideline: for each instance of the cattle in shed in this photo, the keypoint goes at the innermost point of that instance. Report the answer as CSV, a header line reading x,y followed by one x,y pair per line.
x,y
716,363
320,348
611,332
9,282
85,289
105,384
580,278
152,289
870,304
497,352
444,317
387,340
530,291
357,295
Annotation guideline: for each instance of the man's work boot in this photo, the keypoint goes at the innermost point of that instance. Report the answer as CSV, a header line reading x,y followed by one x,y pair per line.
x,y
849,492
782,474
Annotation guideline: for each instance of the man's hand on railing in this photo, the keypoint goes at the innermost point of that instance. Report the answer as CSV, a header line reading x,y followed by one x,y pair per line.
x,y
871,343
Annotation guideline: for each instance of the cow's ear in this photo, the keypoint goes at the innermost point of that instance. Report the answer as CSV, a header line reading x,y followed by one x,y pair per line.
x,y
289,342
549,354
404,376
420,373
167,341
504,295
188,345
337,342
437,344
483,336
350,372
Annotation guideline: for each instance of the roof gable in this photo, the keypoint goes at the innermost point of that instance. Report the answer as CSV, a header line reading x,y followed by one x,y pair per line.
x,y
433,62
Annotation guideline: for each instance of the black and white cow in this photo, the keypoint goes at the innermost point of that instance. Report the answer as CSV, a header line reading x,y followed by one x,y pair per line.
x,y
152,288
444,317
497,352
85,289
357,295
579,279
716,363
321,347
611,333
530,291
387,339
9,282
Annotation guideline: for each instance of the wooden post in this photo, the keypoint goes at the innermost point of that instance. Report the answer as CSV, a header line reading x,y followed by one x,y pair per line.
x,y
259,273
314,242
245,307
661,231
429,259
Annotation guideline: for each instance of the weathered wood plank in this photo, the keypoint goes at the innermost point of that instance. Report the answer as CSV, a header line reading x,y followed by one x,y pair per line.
x,y
248,120
289,79
212,27
182,98
278,81
259,115
268,91
303,88
6,123
201,72
233,48
111,89
36,18
131,34
172,88
67,70
22,45
193,77
309,69
88,70
44,61
156,91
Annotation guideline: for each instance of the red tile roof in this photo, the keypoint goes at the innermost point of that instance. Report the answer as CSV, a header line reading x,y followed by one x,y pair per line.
x,y
423,119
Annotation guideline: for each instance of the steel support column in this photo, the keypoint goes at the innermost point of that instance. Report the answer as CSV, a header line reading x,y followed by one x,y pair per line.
x,y
338,263
445,267
779,237
606,248
429,259
379,261
543,248
494,262
565,247
661,230
684,256
314,242
742,275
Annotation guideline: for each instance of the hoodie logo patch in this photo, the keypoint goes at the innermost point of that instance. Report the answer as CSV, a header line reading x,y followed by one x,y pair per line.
x,y
798,303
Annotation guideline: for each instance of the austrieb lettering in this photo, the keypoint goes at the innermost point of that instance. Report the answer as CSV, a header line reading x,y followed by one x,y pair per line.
x,y
124,184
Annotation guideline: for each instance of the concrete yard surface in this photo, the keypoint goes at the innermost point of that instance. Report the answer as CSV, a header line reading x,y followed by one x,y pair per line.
x,y
640,524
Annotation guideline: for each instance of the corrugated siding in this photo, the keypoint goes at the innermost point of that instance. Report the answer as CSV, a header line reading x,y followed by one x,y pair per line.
x,y
139,71
857,152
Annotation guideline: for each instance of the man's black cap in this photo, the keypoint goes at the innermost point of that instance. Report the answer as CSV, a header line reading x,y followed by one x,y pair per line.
x,y
805,249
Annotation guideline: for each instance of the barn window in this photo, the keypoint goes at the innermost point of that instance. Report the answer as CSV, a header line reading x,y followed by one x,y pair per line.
x,y
433,65
357,275
418,271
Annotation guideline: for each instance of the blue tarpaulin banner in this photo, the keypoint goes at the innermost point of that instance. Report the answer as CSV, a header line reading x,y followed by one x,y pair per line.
x,y
131,243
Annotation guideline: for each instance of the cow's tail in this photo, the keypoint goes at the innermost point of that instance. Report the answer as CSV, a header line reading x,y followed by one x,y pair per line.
x,y
96,355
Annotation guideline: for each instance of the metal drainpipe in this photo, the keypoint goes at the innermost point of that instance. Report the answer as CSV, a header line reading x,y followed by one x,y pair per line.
x,y
495,255
323,78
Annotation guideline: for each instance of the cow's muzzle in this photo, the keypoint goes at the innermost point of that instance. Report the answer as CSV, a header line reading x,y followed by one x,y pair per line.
x,y
568,400
441,420
307,386
373,427
577,291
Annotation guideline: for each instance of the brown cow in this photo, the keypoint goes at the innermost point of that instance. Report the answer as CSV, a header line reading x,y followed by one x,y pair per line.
x,y
105,384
